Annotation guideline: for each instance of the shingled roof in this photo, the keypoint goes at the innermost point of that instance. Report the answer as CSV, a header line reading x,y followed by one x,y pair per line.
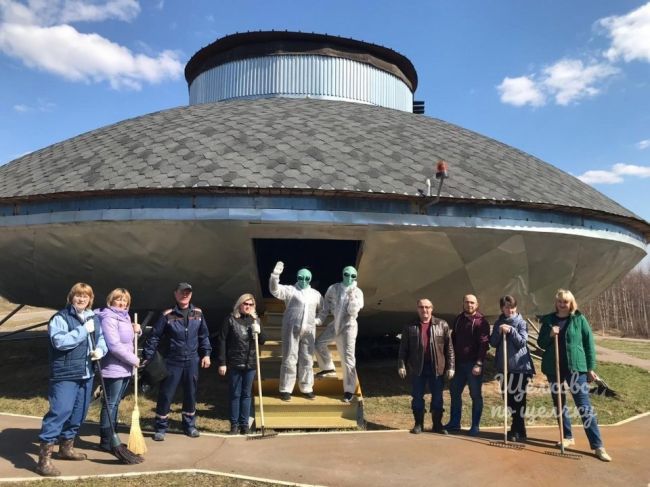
x,y
302,144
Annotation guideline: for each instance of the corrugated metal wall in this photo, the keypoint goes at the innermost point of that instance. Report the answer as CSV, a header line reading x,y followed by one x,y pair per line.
x,y
302,75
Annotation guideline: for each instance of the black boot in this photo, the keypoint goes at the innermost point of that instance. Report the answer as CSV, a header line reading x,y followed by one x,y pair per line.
x,y
419,422
436,416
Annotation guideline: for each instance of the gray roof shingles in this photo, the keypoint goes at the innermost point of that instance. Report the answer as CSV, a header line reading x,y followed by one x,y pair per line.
x,y
305,143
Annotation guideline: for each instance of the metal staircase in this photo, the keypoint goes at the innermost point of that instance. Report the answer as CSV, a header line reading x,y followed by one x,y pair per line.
x,y
327,411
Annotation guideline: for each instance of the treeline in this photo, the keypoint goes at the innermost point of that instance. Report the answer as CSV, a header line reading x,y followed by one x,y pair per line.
x,y
622,309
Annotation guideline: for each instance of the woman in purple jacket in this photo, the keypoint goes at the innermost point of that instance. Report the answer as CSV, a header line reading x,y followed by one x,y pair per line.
x,y
118,364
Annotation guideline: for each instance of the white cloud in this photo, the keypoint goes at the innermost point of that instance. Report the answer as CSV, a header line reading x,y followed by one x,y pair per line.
x,y
569,80
35,35
643,144
78,10
615,175
630,35
521,91
40,106
566,81
632,170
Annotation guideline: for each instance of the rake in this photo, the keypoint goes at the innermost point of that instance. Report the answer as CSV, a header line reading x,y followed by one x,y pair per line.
x,y
504,443
265,434
558,401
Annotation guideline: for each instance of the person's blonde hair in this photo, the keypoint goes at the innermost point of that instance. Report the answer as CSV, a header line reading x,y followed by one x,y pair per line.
x,y
82,288
118,293
566,295
240,300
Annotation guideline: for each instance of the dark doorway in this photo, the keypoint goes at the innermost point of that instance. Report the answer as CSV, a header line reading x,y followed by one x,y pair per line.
x,y
324,258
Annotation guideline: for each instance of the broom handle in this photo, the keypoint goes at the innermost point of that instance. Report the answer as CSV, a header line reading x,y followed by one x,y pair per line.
x,y
505,389
559,392
259,379
104,397
135,369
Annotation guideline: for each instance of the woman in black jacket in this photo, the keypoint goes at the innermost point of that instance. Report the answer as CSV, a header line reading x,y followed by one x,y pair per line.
x,y
237,357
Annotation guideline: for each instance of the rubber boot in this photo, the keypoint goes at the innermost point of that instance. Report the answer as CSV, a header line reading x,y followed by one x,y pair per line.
x,y
436,417
105,439
419,422
66,451
45,466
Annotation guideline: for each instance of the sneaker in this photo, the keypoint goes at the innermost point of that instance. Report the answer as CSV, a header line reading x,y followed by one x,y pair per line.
x,y
193,433
159,436
601,454
326,373
347,397
451,428
309,395
285,396
566,442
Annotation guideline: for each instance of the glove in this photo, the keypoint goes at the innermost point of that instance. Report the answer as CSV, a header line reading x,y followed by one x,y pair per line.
x,y
317,322
279,267
450,374
96,354
89,326
401,372
255,328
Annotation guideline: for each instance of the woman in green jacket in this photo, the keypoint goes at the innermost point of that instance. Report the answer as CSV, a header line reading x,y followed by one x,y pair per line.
x,y
577,355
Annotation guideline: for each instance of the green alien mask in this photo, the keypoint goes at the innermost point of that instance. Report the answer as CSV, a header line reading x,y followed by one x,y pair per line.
x,y
349,275
304,278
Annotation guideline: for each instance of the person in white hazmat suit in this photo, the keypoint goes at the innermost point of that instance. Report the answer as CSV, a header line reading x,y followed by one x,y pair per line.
x,y
302,303
343,301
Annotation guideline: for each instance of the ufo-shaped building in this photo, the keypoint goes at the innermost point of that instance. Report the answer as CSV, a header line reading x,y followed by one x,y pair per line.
x,y
304,148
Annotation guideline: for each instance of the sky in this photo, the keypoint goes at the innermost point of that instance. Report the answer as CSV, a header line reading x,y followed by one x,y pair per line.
x,y
565,81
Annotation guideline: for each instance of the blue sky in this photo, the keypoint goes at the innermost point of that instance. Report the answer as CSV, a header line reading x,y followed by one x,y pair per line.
x,y
566,81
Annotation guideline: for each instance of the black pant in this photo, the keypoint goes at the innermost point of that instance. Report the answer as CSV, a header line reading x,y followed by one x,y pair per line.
x,y
517,384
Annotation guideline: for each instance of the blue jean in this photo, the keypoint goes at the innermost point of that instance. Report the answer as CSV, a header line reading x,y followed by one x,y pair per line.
x,y
115,389
69,401
579,388
418,386
462,378
241,385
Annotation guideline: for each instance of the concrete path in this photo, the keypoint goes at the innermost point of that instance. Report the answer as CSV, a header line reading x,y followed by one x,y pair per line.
x,y
357,459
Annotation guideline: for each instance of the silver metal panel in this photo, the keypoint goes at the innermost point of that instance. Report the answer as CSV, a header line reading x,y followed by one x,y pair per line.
x,y
302,76
149,251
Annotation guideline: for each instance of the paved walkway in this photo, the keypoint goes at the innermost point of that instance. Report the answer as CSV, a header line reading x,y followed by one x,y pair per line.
x,y
357,459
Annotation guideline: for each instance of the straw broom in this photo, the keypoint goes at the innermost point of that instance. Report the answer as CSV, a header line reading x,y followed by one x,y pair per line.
x,y
136,439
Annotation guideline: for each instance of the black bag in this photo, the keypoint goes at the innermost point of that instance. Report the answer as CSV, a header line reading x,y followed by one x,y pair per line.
x,y
155,371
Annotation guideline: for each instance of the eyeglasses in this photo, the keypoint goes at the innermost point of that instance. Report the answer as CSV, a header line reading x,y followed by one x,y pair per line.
x,y
347,274
304,278
248,304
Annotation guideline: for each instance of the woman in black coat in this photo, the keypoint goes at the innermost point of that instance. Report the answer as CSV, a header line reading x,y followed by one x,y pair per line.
x,y
237,356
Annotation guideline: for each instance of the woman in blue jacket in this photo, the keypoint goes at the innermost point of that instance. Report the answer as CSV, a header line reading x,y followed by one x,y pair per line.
x,y
71,356
520,364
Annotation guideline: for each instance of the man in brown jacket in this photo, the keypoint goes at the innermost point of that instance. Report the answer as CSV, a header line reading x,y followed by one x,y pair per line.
x,y
426,350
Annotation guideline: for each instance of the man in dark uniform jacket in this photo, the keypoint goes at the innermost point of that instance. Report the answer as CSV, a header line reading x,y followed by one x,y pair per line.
x,y
187,333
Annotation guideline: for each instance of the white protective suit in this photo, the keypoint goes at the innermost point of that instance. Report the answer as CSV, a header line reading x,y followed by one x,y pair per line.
x,y
298,334
344,303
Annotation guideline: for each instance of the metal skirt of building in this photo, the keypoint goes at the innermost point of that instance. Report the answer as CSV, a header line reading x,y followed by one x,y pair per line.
x,y
223,252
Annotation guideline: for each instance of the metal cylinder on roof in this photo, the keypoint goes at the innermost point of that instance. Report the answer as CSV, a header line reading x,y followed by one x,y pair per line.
x,y
300,65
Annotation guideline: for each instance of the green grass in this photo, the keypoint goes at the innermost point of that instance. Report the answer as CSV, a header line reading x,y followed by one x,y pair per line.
x,y
634,348
173,480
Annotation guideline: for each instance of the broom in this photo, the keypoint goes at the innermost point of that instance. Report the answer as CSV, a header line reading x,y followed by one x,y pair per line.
x,y
136,439
119,449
